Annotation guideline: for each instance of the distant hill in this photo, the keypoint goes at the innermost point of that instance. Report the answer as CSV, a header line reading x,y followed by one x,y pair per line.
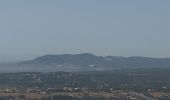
x,y
90,62
87,62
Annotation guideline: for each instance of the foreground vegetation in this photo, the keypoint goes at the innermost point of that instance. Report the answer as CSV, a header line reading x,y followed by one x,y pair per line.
x,y
145,81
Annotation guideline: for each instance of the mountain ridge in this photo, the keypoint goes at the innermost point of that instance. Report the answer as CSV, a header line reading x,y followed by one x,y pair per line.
x,y
88,62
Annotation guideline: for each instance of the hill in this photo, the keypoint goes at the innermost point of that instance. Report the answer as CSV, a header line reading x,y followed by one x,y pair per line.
x,y
90,62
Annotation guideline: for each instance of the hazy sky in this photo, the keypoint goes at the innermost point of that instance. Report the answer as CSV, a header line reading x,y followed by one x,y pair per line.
x,y
31,28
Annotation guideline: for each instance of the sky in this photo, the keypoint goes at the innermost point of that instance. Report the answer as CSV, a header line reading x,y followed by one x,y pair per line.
x,y
32,28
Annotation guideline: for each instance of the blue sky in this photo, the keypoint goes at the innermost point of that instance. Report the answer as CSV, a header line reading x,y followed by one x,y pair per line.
x,y
31,28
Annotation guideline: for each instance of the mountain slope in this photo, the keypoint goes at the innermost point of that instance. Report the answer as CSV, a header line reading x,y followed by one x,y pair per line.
x,y
90,62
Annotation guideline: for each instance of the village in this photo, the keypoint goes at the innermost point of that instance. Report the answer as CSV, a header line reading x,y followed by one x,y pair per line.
x,y
37,94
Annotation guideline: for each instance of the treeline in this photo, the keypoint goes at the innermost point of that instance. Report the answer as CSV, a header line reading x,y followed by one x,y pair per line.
x,y
58,98
129,79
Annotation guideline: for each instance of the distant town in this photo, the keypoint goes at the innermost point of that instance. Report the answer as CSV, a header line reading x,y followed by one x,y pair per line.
x,y
124,84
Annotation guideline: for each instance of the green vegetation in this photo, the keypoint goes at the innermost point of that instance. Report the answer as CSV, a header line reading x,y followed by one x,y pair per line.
x,y
126,80
134,79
